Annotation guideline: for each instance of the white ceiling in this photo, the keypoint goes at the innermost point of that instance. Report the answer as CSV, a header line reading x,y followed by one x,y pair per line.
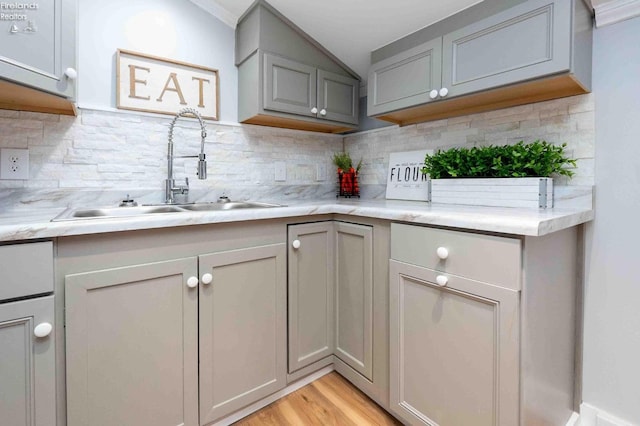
x,y
350,29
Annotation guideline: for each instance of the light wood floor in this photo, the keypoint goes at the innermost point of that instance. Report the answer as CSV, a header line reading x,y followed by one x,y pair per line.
x,y
330,400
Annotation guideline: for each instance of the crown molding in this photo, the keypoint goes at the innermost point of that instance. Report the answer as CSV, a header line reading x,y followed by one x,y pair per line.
x,y
217,11
614,11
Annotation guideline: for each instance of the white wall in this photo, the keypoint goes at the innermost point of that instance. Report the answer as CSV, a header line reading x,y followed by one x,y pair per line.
x,y
611,375
175,29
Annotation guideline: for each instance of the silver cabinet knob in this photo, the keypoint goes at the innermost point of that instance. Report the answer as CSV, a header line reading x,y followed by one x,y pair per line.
x,y
296,244
444,92
323,112
314,110
442,280
207,279
71,73
442,252
433,94
192,282
43,329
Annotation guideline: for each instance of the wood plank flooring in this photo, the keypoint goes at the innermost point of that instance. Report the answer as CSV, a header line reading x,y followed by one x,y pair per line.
x,y
330,400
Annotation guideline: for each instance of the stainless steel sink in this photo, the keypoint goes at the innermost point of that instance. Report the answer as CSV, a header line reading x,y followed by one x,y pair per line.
x,y
231,205
117,212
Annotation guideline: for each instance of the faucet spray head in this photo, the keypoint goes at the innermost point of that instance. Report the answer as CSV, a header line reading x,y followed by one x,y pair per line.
x,y
202,166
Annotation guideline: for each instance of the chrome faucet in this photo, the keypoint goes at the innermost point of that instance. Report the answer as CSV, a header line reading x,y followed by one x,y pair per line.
x,y
170,183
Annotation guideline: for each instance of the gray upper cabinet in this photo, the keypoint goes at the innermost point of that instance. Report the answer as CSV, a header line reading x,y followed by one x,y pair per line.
x,y
27,364
287,79
289,86
533,51
527,41
37,52
405,79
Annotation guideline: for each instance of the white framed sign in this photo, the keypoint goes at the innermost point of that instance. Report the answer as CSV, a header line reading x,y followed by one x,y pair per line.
x,y
152,84
405,180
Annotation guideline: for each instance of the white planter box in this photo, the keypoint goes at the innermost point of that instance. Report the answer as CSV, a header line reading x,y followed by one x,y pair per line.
x,y
530,192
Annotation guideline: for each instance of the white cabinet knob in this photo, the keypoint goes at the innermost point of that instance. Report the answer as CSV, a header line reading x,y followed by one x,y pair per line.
x,y
442,252
43,329
192,282
207,279
296,244
323,112
433,94
444,92
71,73
441,280
314,110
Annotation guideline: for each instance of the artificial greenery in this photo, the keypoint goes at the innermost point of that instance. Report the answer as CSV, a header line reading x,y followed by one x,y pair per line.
x,y
342,160
539,158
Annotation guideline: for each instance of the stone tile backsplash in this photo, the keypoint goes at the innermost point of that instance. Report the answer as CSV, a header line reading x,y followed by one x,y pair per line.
x,y
97,157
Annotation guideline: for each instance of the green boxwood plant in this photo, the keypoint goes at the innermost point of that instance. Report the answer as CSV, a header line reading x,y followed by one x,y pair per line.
x,y
538,158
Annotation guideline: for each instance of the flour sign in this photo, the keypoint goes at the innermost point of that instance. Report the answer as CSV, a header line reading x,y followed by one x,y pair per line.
x,y
405,180
152,84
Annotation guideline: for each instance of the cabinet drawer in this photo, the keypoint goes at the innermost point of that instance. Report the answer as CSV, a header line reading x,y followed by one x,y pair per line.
x,y
26,269
494,260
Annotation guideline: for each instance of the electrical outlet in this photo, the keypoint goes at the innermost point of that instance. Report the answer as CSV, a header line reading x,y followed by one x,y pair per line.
x,y
321,172
281,171
14,163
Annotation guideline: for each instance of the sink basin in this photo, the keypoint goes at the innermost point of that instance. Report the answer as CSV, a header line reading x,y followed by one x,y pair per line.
x,y
231,205
116,212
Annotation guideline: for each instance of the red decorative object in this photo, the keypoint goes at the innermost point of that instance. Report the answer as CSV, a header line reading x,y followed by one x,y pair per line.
x,y
348,183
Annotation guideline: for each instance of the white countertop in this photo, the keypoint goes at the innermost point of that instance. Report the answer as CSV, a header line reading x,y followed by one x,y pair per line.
x,y
33,224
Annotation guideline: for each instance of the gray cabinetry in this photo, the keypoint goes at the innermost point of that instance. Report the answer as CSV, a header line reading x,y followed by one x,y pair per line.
x,y
242,328
533,51
454,350
354,297
405,79
472,317
132,345
287,79
525,42
27,364
36,52
311,293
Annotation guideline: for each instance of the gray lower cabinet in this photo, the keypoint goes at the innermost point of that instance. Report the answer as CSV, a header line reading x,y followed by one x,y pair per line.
x,y
482,327
35,52
27,364
311,293
454,350
354,296
132,345
243,328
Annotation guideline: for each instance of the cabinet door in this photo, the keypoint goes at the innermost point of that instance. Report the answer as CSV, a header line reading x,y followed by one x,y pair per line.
x,y
27,364
354,296
454,349
289,86
243,326
311,293
338,97
37,50
132,345
405,79
527,41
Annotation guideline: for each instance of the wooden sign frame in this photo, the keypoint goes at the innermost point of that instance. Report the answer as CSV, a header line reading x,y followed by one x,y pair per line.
x,y
137,92
405,180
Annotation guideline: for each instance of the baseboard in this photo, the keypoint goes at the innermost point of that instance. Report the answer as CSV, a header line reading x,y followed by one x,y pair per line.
x,y
593,416
273,397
